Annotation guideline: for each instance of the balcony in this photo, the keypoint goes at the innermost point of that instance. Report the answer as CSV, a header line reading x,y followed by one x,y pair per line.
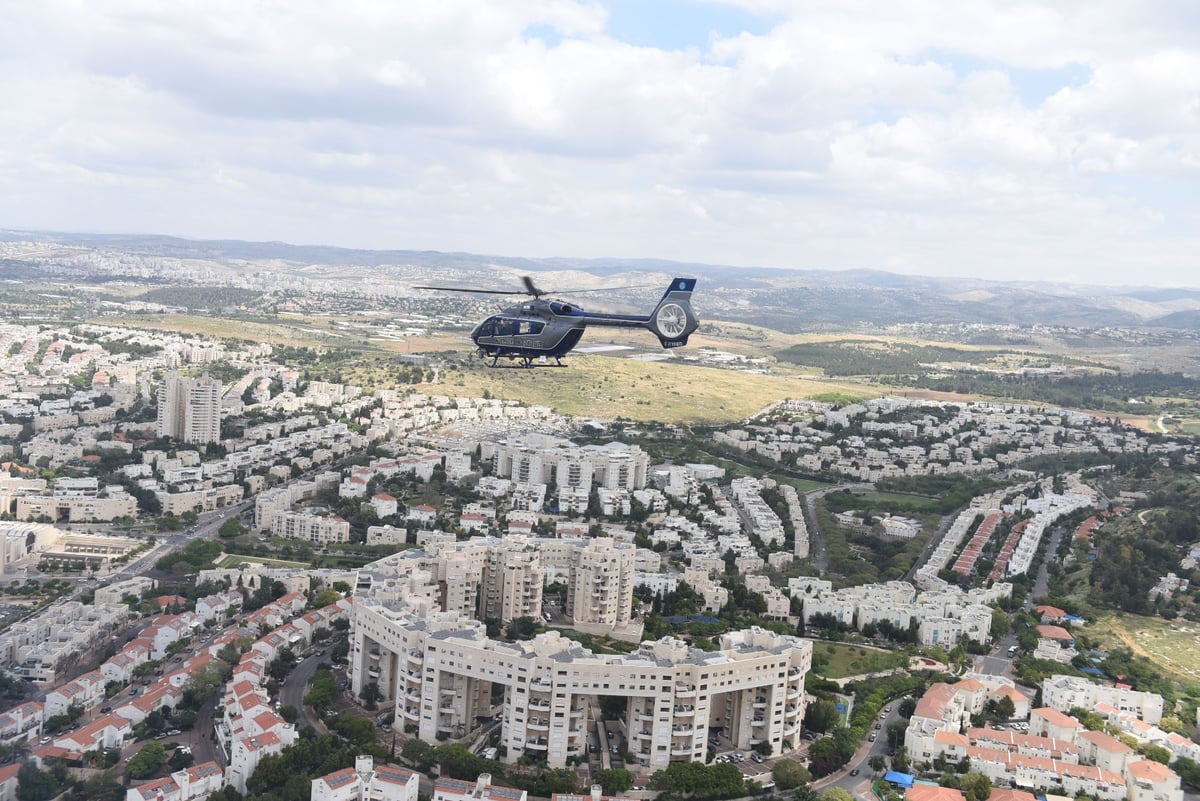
x,y
685,692
539,725
537,745
685,710
373,672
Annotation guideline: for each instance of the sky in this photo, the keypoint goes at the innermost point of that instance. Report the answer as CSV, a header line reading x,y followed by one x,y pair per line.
x,y
999,139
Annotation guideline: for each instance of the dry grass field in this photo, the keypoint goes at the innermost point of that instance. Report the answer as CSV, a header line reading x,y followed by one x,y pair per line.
x,y
609,387
1172,645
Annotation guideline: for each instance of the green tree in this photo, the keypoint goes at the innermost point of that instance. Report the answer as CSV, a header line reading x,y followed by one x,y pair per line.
x,y
1157,753
614,780
836,794
180,759
36,785
821,716
788,773
147,761
1188,770
419,754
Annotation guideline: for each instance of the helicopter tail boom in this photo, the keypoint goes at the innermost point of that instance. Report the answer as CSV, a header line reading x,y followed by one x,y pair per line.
x,y
672,320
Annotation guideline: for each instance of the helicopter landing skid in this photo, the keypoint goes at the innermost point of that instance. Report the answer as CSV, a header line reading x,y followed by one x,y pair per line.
x,y
523,362
523,365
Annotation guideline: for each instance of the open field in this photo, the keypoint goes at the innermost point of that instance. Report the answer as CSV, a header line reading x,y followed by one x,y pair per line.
x,y
852,660
1172,645
608,387
284,332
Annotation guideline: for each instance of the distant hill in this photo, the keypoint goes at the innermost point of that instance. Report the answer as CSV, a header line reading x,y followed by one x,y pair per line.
x,y
786,300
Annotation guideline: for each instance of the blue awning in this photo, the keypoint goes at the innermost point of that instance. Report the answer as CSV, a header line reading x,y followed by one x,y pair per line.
x,y
904,780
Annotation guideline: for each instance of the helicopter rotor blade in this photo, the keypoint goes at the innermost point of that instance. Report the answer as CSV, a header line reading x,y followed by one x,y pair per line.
x,y
474,291
530,288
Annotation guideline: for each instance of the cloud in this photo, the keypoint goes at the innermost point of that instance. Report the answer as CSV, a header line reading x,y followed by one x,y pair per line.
x,y
1002,139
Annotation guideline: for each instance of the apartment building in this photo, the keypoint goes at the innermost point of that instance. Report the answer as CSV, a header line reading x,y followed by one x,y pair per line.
x,y
438,672
308,525
600,590
189,409
366,782
1064,692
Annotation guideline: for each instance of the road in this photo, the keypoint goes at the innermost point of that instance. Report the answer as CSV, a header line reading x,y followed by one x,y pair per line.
x,y
291,693
860,786
816,540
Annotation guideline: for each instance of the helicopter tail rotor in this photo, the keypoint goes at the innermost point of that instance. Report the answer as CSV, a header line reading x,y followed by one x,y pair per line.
x,y
673,319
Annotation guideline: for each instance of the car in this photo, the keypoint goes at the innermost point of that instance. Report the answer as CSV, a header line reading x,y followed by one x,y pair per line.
x,y
854,772
883,715
610,734
757,757
878,726
592,748
174,733
106,709
887,709
45,740
162,735
872,737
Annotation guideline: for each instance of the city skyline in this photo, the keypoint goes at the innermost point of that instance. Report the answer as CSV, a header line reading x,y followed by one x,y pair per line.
x,y
1035,141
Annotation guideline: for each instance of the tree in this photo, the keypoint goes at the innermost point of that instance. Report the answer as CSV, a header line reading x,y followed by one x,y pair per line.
x,y
180,759
836,794
1188,771
146,762
789,773
1157,753
419,754
231,528
36,785
325,598
614,780
877,763
1006,709
820,716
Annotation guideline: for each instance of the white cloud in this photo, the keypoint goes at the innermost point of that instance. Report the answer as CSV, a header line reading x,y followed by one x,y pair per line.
x,y
933,137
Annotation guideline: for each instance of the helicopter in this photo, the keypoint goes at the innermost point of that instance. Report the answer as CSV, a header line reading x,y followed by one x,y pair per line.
x,y
533,330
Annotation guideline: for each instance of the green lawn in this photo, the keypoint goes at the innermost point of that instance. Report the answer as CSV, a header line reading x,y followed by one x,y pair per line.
x,y
234,560
841,660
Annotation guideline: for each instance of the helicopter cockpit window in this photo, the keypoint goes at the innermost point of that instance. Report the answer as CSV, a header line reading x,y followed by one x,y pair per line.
x,y
529,327
487,328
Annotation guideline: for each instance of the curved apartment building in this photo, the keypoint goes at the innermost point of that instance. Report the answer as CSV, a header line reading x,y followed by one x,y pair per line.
x,y
444,678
